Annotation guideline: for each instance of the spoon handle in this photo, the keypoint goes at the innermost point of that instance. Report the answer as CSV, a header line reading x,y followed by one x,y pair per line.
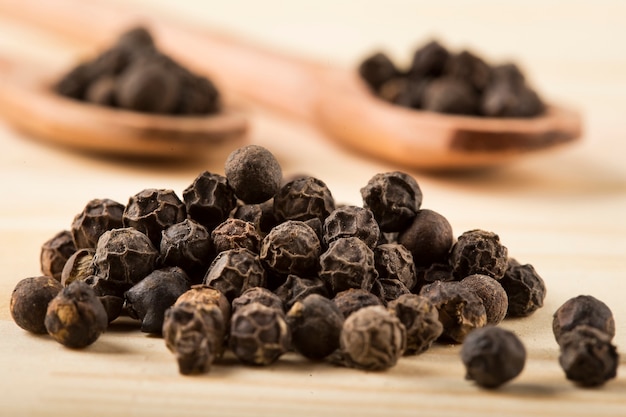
x,y
267,77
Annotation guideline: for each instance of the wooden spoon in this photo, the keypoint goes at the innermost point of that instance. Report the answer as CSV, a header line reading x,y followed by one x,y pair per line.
x,y
334,99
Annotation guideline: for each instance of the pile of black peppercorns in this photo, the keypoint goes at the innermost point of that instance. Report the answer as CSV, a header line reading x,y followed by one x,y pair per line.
x,y
261,265
442,81
134,75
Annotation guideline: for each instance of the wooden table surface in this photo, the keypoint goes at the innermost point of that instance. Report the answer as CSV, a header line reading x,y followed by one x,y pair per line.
x,y
563,212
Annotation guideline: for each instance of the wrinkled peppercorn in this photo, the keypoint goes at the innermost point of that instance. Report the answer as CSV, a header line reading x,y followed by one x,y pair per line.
x,y
460,310
431,273
254,173
187,245
292,247
478,252
258,295
388,289
151,211
315,323
354,299
429,60
259,335
201,295
429,238
583,310
29,302
372,338
149,298
296,288
234,271
492,356
377,69
303,199
491,293
524,288
55,252
209,199
351,221
98,216
421,320
394,198
76,317
235,233
348,263
394,261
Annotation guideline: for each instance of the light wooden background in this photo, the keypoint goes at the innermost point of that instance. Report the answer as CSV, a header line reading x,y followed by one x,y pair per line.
x,y
563,212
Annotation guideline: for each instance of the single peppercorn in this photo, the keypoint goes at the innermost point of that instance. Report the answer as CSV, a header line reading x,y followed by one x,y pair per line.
x,y
296,289
587,356
429,238
292,247
583,310
202,296
377,69
151,211
404,91
258,295
303,199
492,356
259,335
234,271
429,60
254,173
421,320
55,252
478,252
394,198
209,199
29,302
149,298
460,310
76,317
450,95
470,68
79,266
504,101
315,323
491,293
187,245
235,233
348,263
394,261
351,221
524,288
388,289
354,299
98,216
372,338
431,273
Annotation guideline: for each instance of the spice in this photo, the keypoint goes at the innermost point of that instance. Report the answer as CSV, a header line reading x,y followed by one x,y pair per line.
x,y
478,252
187,245
583,310
389,289
202,296
55,252
429,60
348,263
258,295
354,299
79,266
254,173
303,199
296,289
492,295
315,323
76,317
209,199
492,356
421,320
429,238
234,271
524,288
291,247
29,302
351,221
235,233
372,339
450,95
98,216
377,69
394,261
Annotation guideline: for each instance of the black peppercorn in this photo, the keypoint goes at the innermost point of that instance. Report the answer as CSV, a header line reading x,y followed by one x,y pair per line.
x,y
55,252
29,302
235,233
583,310
429,60
421,320
292,247
491,293
348,263
492,356
429,238
79,266
209,199
258,295
524,288
76,317
503,101
372,338
434,272
187,245
478,252
351,221
376,69
449,95
254,173
98,216
315,323
404,91
354,299
234,271
303,199
394,261
468,67
388,289
394,198
149,298
202,296
259,335
296,288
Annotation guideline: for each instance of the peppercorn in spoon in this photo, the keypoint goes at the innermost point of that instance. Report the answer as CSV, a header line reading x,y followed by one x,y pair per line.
x,y
334,99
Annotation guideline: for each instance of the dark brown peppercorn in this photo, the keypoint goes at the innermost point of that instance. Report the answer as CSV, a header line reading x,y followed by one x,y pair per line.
x,y
296,289
29,302
404,91
429,238
303,199
351,221
433,272
587,356
209,199
198,95
151,211
259,335
187,245
98,216
421,320
149,298
492,356
583,310
388,289
102,91
195,335
234,271
524,288
394,198
202,296
394,261
470,68
491,293
372,338
254,173
76,317
429,60
258,295
55,252
504,101
449,95
79,266
354,299
235,233
460,310
478,252
315,323
292,247
377,69
348,263
113,305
